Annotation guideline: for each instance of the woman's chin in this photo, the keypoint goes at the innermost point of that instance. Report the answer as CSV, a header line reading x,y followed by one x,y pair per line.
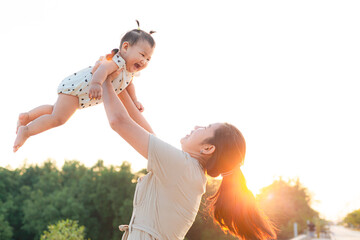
x,y
183,140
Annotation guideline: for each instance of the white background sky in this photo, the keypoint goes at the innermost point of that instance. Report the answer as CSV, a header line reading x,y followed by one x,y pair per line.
x,y
286,73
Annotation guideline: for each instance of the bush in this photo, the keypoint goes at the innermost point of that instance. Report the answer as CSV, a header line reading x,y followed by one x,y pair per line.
x,y
64,230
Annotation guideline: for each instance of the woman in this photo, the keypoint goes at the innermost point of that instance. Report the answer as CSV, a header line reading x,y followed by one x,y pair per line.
x,y
167,199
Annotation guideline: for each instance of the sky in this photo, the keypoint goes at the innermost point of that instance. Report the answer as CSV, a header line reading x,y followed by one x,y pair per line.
x,y
286,73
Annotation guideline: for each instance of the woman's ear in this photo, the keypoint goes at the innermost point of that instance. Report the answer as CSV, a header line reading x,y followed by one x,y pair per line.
x,y
207,149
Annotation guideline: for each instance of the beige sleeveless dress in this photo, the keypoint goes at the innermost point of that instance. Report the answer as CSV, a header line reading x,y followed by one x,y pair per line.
x,y
167,199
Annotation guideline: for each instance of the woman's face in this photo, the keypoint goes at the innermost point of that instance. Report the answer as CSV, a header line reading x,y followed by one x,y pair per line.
x,y
194,141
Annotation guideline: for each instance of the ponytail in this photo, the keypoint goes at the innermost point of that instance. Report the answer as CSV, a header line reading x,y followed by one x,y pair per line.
x,y
233,207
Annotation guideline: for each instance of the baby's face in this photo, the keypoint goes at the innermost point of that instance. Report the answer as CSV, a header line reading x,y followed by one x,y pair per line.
x,y
137,56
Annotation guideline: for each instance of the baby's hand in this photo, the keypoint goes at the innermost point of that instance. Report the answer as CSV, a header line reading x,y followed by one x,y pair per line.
x,y
95,91
139,105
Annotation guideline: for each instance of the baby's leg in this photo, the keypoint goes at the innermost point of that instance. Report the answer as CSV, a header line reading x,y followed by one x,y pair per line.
x,y
26,117
64,107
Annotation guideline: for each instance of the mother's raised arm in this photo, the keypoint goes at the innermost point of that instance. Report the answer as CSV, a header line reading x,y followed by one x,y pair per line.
x,y
133,111
121,122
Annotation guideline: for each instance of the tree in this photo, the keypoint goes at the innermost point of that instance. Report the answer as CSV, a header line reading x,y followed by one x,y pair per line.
x,y
42,206
99,198
112,198
5,229
353,219
286,203
64,230
9,212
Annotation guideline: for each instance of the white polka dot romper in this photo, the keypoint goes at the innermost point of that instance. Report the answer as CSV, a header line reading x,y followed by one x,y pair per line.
x,y
78,84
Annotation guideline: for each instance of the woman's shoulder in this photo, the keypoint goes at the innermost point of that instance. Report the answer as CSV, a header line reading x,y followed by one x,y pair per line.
x,y
195,171
161,149
174,166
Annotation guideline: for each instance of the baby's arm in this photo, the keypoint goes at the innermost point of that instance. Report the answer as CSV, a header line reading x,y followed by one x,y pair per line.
x,y
105,68
131,91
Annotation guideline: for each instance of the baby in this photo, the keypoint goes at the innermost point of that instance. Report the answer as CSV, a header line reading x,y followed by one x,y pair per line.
x,y
83,89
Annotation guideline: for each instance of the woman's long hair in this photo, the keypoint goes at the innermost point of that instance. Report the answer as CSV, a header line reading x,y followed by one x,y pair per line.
x,y
233,206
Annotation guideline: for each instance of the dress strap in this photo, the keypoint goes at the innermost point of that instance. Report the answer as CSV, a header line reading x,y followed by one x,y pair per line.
x,y
119,60
125,229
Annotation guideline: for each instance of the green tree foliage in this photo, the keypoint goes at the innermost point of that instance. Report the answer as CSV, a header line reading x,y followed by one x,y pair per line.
x,y
353,219
10,215
99,198
286,203
5,229
64,230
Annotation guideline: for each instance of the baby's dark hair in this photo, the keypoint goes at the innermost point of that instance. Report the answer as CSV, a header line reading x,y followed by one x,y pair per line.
x,y
136,35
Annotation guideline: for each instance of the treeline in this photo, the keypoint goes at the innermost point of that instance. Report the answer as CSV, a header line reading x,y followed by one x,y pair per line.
x,y
287,202
352,219
100,198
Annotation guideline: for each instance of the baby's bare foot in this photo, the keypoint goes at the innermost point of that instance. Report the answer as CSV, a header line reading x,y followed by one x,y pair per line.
x,y
21,137
23,120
